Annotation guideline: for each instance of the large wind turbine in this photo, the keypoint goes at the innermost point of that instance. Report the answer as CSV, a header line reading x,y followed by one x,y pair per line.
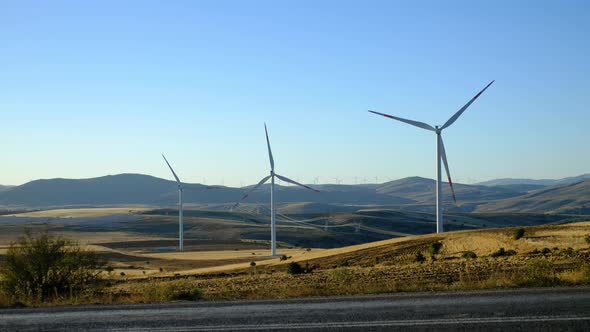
x,y
180,222
440,153
273,210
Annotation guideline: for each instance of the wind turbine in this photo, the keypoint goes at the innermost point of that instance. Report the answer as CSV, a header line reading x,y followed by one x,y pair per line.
x,y
273,210
440,153
180,222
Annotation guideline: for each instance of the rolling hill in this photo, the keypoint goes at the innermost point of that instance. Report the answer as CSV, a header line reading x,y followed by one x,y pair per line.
x,y
421,191
3,188
142,189
566,199
408,194
535,182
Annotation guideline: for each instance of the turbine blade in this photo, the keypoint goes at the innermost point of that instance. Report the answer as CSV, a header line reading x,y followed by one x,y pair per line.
x,y
252,189
412,122
272,161
443,155
173,173
459,112
295,182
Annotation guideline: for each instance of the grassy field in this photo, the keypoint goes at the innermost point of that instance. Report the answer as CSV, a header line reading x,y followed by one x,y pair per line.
x,y
83,213
227,255
545,256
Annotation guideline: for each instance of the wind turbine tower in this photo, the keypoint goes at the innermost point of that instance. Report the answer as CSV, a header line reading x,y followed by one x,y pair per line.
x,y
273,210
180,221
440,153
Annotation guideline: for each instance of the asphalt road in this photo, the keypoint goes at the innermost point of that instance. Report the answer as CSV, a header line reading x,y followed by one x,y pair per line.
x,y
560,309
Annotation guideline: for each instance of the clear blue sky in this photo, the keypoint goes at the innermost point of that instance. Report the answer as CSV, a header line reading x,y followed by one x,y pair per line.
x,y
89,88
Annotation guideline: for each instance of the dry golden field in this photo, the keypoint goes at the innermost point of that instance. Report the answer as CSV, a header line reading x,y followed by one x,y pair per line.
x,y
545,256
85,212
146,266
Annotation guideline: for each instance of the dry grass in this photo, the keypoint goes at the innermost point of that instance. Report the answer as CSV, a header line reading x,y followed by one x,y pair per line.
x,y
378,267
83,213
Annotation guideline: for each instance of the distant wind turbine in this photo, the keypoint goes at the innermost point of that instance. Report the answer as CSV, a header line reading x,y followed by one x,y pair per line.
x,y
273,210
180,221
440,153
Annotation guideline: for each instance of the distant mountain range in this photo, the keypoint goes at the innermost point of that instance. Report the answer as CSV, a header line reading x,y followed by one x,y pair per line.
x,y
573,198
2,188
534,182
410,194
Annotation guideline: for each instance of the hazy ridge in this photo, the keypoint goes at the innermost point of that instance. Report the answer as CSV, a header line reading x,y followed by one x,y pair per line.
x,y
412,193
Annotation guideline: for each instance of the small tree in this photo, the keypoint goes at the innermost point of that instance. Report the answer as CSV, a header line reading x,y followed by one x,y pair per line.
x,y
419,257
518,233
41,267
434,248
294,268
469,255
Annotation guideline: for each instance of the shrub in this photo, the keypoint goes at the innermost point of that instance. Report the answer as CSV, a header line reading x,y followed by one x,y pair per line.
x,y
469,254
434,248
501,252
570,252
546,251
343,263
294,268
252,263
283,258
518,233
122,274
44,267
587,238
419,258
535,252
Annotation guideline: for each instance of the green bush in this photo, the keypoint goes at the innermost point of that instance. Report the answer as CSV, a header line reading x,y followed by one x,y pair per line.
x,y
43,267
469,255
283,258
502,252
570,252
434,248
587,238
518,233
294,268
546,251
